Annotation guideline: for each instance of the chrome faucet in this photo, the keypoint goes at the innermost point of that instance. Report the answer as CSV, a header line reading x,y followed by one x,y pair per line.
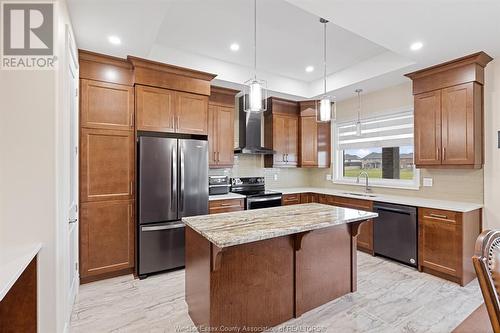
x,y
367,188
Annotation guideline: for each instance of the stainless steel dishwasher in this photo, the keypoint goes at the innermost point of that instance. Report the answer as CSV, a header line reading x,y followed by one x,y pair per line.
x,y
395,232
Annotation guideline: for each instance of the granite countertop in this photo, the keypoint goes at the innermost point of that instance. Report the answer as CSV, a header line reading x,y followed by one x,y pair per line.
x,y
13,262
456,206
229,229
225,196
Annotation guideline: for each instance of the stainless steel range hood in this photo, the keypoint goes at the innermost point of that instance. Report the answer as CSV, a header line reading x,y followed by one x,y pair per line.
x,y
250,128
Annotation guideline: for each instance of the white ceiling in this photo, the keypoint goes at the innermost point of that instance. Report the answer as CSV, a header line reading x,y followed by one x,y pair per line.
x,y
368,41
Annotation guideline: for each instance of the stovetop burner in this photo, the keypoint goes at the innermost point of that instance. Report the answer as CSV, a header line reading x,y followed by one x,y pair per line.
x,y
251,187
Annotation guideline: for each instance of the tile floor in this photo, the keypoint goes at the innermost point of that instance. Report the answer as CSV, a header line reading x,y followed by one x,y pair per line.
x,y
390,298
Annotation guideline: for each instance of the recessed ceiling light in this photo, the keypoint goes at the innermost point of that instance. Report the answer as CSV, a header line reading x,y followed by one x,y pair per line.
x,y
114,40
234,47
309,69
416,46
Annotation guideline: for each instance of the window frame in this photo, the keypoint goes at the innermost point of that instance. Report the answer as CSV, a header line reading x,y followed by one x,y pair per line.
x,y
338,167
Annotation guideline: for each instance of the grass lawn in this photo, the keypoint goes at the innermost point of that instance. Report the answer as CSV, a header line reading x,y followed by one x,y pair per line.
x,y
377,173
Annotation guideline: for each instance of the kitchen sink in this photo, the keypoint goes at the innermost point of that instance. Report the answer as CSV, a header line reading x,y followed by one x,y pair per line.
x,y
367,195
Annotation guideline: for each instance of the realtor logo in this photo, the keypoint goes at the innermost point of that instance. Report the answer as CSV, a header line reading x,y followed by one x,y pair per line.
x,y
28,35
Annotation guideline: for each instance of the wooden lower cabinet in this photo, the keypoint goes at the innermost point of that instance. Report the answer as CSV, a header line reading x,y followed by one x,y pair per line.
x,y
446,243
290,199
309,198
365,237
226,205
106,239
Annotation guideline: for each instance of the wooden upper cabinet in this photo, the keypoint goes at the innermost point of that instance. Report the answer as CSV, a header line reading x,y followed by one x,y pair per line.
x,y
427,128
164,110
155,109
314,138
191,113
106,237
458,124
106,165
281,126
221,109
106,105
449,113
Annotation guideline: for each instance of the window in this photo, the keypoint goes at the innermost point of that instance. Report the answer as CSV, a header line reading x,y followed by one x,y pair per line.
x,y
384,150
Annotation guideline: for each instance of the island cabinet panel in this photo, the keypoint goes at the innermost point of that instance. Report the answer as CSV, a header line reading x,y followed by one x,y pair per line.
x,y
446,243
241,285
320,276
365,237
290,199
106,105
225,206
106,238
449,113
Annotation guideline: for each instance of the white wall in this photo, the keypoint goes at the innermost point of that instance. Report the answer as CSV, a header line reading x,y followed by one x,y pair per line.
x,y
492,152
33,174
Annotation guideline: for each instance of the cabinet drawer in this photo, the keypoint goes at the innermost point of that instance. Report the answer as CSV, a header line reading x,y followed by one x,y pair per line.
x,y
439,215
350,203
291,199
224,206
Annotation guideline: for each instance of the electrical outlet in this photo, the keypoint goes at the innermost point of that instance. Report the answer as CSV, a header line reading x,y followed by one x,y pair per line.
x,y
427,182
275,176
328,176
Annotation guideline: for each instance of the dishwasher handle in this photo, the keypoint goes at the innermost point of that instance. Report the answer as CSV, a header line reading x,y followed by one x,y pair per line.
x,y
393,210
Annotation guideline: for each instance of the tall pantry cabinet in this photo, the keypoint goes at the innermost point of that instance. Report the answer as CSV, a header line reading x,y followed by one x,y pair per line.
x,y
107,167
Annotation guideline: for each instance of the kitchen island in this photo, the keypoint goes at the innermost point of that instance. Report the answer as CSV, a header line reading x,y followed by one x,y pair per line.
x,y
254,269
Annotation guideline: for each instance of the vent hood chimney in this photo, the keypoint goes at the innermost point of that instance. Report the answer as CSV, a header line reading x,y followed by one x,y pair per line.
x,y
250,128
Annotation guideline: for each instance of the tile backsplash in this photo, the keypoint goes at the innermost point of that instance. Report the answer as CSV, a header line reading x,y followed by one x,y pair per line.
x,y
253,166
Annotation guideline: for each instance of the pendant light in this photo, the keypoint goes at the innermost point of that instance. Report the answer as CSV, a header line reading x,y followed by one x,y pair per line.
x,y
255,91
324,106
358,122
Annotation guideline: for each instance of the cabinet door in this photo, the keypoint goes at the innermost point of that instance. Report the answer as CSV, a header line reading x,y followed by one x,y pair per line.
x,y
106,105
192,113
292,151
308,142
323,145
212,136
225,206
155,111
106,237
428,128
225,137
458,124
439,241
280,131
290,199
106,165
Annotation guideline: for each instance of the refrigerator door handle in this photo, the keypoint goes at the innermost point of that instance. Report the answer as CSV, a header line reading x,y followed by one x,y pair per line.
x,y
165,227
181,196
173,175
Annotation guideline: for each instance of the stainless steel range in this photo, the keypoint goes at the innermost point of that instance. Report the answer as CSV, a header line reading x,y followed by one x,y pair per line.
x,y
254,188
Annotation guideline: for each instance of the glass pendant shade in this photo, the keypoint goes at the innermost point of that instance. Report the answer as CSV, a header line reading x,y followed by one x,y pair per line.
x,y
324,110
255,96
358,128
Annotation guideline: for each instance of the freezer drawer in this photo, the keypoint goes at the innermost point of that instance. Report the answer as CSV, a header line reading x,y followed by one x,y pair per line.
x,y
161,247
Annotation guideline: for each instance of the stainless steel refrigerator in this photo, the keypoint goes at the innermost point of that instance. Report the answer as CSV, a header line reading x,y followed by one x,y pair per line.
x,y
172,175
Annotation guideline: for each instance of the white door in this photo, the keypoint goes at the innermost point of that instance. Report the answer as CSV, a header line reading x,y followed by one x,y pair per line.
x,y
72,72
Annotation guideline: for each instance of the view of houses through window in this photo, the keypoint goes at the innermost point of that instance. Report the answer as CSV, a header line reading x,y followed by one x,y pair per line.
x,y
378,162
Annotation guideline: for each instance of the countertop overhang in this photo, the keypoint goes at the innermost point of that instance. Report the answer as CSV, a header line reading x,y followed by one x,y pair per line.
x,y
229,229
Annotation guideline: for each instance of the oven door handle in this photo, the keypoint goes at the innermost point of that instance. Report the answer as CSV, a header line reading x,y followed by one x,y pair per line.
x,y
278,197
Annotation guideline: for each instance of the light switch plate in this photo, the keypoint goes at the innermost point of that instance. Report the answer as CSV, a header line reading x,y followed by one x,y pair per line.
x,y
427,182
328,176
275,176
